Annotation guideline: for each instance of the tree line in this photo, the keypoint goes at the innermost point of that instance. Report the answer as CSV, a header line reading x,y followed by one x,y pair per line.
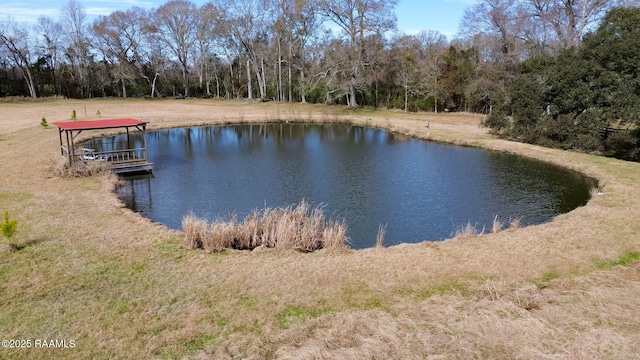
x,y
322,51
584,98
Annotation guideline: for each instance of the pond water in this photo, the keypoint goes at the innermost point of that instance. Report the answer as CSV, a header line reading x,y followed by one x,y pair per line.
x,y
421,190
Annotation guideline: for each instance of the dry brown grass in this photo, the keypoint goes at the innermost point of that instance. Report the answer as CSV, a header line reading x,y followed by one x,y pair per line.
x,y
299,227
497,225
466,231
124,287
195,232
60,167
221,235
382,230
514,223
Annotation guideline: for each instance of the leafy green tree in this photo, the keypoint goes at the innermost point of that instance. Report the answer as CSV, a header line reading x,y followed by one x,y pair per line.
x,y
458,70
567,100
570,79
615,47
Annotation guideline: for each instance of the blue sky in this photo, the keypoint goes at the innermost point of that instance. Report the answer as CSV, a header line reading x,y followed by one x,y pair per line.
x,y
413,15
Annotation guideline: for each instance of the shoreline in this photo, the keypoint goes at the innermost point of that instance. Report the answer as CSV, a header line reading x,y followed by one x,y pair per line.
x,y
451,234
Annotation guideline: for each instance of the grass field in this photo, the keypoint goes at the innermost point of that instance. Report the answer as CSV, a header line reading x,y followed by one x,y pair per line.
x,y
121,286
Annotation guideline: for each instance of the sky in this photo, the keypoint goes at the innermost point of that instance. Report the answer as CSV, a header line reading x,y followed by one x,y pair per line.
x,y
413,15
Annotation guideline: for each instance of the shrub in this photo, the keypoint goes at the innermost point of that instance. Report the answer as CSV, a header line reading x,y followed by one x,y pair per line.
x,y
8,227
43,122
498,123
623,145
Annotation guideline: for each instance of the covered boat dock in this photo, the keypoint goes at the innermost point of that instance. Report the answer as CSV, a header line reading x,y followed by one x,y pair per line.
x,y
121,157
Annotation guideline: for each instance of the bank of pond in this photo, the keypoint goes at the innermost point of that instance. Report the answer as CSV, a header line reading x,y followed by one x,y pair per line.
x,y
363,178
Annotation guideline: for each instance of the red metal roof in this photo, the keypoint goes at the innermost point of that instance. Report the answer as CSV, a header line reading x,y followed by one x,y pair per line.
x,y
98,124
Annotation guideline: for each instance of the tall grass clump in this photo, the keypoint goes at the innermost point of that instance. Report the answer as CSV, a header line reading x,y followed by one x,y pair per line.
x,y
597,190
195,231
466,231
335,236
300,227
60,167
497,225
219,235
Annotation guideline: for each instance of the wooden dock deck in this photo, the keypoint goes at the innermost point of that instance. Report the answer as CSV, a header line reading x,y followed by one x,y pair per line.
x,y
120,157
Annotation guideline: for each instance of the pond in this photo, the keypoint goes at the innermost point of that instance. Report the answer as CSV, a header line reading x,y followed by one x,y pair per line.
x,y
420,190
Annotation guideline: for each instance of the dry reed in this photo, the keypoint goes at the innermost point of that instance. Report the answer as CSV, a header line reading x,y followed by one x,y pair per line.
x,y
465,231
195,231
597,190
497,225
382,230
299,227
219,235
60,167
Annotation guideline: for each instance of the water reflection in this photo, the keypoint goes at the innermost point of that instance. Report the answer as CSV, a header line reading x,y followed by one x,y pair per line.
x,y
421,190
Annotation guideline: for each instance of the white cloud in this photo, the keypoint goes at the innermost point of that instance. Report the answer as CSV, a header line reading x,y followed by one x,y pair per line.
x,y
30,11
97,11
121,4
22,14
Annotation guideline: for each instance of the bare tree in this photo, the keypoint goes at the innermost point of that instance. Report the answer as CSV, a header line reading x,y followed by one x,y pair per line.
x,y
288,50
432,45
246,28
51,33
570,19
155,64
78,45
331,69
357,19
432,42
405,55
295,24
16,40
207,42
119,37
499,25
174,25
282,37
416,64
304,28
512,29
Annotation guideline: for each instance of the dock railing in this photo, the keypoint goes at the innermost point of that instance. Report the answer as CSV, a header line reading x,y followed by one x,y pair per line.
x,y
113,157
